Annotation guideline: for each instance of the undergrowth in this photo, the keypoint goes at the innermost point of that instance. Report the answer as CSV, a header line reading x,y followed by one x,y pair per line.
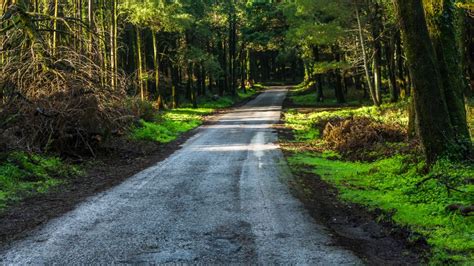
x,y
397,184
23,174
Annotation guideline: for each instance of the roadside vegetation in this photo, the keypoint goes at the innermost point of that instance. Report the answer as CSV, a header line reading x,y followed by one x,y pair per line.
x,y
365,154
23,174
166,126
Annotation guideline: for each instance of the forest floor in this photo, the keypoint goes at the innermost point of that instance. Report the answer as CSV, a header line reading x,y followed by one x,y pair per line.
x,y
359,174
352,225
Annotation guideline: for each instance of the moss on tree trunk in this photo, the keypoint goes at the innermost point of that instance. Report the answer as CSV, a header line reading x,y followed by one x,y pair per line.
x,y
440,16
433,120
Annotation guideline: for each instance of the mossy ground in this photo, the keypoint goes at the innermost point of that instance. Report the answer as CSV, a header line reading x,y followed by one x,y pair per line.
x,y
23,174
169,125
399,185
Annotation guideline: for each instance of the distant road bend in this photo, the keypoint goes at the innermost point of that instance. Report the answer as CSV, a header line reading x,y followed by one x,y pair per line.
x,y
222,198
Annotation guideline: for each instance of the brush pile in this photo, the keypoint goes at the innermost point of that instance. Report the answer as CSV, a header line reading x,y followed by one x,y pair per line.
x,y
55,98
359,137
58,105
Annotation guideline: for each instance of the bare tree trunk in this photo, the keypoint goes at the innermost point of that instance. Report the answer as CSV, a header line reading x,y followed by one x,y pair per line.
x,y
140,65
366,64
156,63
55,28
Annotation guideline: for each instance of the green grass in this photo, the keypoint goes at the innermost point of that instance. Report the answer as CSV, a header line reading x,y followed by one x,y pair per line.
x,y
303,96
23,174
303,124
169,125
397,184
310,99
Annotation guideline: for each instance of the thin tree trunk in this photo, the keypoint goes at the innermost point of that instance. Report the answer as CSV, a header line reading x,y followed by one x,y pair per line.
x,y
140,64
366,64
157,69
55,27
390,55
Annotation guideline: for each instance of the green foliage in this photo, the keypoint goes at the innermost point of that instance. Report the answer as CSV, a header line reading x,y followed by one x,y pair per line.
x,y
22,174
391,184
398,185
305,125
265,27
169,125
158,14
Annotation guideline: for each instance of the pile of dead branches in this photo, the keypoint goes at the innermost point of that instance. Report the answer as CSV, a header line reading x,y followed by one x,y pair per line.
x,y
60,99
64,105
359,137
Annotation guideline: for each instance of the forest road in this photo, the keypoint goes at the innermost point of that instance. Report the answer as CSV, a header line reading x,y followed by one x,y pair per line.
x,y
221,198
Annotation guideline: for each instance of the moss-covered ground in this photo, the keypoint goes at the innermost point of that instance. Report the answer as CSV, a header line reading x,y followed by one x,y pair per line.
x,y
400,185
23,174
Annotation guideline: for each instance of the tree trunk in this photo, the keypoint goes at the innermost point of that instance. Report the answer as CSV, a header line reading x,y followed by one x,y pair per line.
x,y
433,122
441,18
156,64
392,78
366,64
140,65
55,27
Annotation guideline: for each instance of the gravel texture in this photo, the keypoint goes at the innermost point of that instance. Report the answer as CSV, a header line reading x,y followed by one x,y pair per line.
x,y
221,198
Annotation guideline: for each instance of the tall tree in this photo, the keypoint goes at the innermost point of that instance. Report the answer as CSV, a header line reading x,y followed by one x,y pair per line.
x,y
441,19
433,120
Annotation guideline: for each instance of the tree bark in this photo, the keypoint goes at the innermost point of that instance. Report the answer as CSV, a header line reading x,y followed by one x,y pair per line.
x,y
441,26
433,122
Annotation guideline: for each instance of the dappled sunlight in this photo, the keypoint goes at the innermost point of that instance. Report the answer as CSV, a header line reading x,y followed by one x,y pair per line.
x,y
236,147
259,109
241,126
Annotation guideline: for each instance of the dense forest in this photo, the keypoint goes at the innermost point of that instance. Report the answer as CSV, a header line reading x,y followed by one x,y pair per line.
x,y
76,75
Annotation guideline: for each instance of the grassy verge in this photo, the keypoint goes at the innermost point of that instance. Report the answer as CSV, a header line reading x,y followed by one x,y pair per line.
x,y
23,174
169,125
396,184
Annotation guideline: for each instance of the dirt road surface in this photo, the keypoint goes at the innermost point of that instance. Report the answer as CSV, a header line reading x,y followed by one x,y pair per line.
x,y
222,198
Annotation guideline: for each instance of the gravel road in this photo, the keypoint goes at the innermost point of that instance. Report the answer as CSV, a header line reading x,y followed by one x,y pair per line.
x,y
222,198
